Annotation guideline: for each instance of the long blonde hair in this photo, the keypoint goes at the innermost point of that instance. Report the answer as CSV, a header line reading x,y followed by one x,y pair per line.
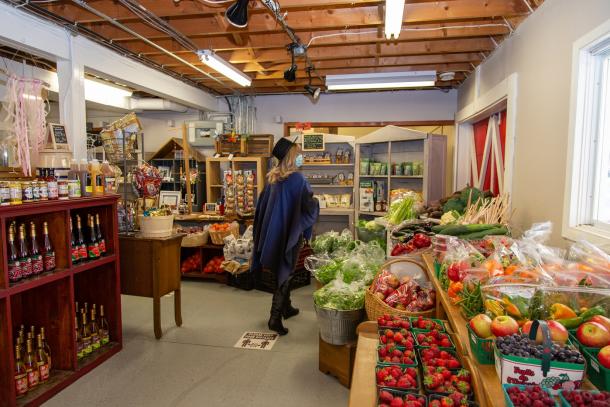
x,y
284,168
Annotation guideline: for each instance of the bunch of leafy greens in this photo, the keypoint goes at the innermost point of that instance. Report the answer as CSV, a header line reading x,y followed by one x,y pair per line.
x,y
340,296
328,272
330,242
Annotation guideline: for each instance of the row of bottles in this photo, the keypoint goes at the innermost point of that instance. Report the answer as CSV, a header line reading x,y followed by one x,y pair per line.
x,y
26,258
93,247
33,361
91,333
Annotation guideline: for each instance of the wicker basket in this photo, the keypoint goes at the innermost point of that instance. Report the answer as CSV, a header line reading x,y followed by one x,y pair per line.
x,y
375,307
195,239
218,236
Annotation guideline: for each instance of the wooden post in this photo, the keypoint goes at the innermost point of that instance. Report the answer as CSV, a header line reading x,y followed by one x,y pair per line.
x,y
187,168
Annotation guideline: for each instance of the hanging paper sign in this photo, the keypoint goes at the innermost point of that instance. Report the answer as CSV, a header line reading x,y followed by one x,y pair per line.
x,y
313,142
303,126
58,136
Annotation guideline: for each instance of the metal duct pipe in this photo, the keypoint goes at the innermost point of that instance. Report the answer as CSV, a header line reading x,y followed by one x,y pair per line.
x,y
156,104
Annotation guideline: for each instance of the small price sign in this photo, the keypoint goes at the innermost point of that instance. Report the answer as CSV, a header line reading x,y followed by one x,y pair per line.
x,y
313,142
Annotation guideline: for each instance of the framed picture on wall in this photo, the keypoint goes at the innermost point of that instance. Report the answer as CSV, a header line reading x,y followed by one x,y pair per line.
x,y
170,198
165,172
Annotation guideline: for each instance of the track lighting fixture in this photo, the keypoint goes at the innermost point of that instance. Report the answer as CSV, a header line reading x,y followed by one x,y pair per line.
x,y
313,91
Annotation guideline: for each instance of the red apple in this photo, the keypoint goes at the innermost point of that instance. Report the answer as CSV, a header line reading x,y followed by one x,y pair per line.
x,y
504,326
593,335
600,319
481,325
604,356
558,332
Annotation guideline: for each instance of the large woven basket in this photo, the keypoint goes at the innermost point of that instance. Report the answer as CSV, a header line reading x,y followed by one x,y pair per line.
x,y
195,239
375,307
218,236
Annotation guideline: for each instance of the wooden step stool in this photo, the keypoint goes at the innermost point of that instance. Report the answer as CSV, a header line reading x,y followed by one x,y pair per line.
x,y
338,360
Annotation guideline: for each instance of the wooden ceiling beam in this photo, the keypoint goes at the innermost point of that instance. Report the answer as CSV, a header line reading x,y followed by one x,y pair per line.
x,y
439,12
227,42
344,52
190,8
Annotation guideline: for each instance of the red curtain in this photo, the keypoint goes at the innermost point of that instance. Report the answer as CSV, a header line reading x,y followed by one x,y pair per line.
x,y
480,135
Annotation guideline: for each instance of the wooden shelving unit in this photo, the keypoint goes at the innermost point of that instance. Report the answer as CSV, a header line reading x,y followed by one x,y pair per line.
x,y
391,145
48,300
215,167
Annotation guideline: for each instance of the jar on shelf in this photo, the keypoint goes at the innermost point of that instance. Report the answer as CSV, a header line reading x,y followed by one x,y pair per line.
x,y
27,193
5,193
15,193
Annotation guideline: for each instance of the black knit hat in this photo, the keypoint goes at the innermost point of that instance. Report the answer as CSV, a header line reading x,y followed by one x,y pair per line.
x,y
281,148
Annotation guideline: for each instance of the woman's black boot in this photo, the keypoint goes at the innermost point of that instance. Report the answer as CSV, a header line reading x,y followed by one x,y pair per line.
x,y
288,310
275,321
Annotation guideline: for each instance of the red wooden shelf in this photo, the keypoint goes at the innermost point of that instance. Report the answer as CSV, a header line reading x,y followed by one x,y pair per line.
x,y
79,268
48,300
37,281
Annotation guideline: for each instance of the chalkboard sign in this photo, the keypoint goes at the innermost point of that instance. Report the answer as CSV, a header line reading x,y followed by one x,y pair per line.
x,y
59,137
313,142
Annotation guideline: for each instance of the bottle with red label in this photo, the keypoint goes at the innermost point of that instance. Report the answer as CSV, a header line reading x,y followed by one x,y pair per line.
x,y
24,257
100,239
31,367
74,249
93,247
41,360
35,255
46,348
14,267
80,241
21,375
49,252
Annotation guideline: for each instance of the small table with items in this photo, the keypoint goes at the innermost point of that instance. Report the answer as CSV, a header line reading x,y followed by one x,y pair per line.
x,y
150,267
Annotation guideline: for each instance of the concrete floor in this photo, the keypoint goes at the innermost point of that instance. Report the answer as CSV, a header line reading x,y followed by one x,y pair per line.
x,y
196,365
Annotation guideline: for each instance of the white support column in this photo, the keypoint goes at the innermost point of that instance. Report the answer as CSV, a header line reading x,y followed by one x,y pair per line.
x,y
72,109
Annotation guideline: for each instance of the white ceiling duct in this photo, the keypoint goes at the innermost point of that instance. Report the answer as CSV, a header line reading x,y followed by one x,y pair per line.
x,y
139,104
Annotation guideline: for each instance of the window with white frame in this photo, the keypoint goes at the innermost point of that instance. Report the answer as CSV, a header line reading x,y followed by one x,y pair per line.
x,y
587,207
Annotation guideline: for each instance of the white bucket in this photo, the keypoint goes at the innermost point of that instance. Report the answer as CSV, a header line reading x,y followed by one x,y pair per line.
x,y
156,226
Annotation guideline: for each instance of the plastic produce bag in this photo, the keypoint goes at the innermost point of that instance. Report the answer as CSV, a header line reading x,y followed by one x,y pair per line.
x,y
323,268
329,242
341,296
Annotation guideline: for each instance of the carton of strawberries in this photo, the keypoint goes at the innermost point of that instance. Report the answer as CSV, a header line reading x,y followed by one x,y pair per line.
x,y
436,357
433,337
397,398
397,377
401,337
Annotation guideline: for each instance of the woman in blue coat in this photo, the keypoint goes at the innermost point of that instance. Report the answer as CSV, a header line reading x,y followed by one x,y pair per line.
x,y
285,214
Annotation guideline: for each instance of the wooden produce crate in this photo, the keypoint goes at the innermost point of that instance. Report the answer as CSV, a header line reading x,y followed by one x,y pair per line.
x,y
337,360
257,145
226,147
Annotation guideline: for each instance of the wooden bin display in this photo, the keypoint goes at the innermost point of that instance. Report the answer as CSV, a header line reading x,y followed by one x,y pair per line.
x,y
225,147
48,299
257,145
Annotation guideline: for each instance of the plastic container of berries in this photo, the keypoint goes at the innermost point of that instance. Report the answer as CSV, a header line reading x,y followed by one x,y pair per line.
x,y
551,365
416,399
428,324
444,382
528,396
397,378
446,358
423,344
405,357
435,400
588,398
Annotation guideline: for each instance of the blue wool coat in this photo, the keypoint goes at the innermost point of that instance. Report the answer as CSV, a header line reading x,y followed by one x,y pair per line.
x,y
285,211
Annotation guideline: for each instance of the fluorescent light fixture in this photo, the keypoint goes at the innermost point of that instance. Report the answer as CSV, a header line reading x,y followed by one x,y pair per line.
x,y
394,10
100,92
221,66
390,80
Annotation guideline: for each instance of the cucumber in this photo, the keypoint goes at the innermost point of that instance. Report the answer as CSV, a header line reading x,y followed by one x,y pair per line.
x,y
454,230
479,227
439,228
483,233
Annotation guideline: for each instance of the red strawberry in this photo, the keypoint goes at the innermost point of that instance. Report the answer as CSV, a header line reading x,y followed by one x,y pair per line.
x,y
395,372
445,343
446,402
411,372
453,364
434,403
397,402
457,397
385,396
463,387
389,333
444,354
464,375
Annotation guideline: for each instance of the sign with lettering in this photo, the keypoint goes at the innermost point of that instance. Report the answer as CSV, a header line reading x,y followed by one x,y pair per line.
x,y
518,370
313,142
58,136
257,340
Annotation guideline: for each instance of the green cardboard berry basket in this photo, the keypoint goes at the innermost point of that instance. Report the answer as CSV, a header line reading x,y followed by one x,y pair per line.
x,y
574,340
401,365
598,374
509,402
483,349
413,389
453,353
382,331
437,396
566,403
418,331
402,393
438,321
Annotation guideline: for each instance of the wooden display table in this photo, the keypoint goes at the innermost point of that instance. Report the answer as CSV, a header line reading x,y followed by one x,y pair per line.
x,y
151,268
363,392
47,300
